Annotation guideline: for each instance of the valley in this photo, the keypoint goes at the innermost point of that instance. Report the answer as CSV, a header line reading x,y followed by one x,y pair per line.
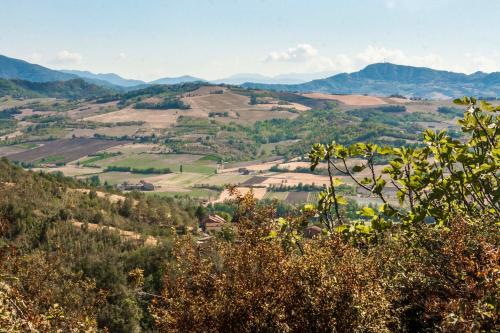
x,y
249,166
255,140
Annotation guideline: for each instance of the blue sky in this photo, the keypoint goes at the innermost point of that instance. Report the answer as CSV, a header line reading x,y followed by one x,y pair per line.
x,y
149,39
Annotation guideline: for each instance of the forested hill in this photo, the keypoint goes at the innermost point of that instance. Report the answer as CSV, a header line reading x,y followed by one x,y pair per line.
x,y
71,89
11,68
16,69
52,240
386,79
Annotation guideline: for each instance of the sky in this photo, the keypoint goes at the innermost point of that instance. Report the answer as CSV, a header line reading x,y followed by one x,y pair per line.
x,y
211,39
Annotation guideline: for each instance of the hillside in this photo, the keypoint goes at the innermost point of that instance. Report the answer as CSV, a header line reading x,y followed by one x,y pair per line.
x,y
11,68
385,79
77,256
289,78
71,89
110,78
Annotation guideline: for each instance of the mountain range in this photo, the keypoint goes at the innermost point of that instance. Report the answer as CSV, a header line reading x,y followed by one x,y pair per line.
x,y
72,89
177,80
11,68
381,79
291,78
113,79
387,79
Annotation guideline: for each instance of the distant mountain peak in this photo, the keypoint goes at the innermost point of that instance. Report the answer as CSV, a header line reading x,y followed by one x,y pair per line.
x,y
385,79
176,80
111,78
11,68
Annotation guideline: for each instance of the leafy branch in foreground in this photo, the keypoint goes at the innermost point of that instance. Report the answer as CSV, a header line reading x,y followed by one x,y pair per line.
x,y
433,183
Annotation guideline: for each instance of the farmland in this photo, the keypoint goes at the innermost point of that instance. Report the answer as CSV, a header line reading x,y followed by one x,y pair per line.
x,y
63,151
256,140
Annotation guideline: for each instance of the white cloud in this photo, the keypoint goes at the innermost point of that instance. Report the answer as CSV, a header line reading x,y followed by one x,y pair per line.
x,y
66,57
122,56
299,53
479,62
34,57
309,59
306,58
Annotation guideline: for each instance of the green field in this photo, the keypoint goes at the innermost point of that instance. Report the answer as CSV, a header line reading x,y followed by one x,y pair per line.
x,y
190,163
26,145
115,178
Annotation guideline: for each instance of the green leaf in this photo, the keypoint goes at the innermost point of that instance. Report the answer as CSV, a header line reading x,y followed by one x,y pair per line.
x,y
358,168
309,207
341,200
367,211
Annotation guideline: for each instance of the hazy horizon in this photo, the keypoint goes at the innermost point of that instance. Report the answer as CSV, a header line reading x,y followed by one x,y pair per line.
x,y
217,39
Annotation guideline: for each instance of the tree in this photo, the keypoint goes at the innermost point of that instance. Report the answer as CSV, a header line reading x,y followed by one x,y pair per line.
x,y
201,212
442,179
95,181
180,168
253,99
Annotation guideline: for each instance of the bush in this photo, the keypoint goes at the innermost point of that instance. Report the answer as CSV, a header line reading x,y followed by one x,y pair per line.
x,y
271,279
166,104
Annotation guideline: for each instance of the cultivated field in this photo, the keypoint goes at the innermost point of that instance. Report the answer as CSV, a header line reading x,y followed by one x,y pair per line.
x,y
258,193
238,108
357,100
219,123
152,118
294,179
10,150
64,151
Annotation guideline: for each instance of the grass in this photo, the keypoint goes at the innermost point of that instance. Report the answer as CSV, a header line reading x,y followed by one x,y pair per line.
x,y
114,178
92,159
51,159
226,178
166,161
26,145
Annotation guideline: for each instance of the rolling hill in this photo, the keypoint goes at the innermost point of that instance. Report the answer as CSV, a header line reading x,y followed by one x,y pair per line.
x,y
11,68
385,79
176,80
16,69
71,89
290,78
112,78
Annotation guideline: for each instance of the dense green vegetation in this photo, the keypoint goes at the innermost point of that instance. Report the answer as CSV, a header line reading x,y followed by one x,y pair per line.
x,y
429,265
87,273
166,91
72,89
166,104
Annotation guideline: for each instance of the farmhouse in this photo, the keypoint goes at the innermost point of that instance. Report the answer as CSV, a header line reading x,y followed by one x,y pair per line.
x,y
141,186
212,223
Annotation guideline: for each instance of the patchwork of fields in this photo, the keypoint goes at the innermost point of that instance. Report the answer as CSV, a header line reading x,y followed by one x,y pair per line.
x,y
227,136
